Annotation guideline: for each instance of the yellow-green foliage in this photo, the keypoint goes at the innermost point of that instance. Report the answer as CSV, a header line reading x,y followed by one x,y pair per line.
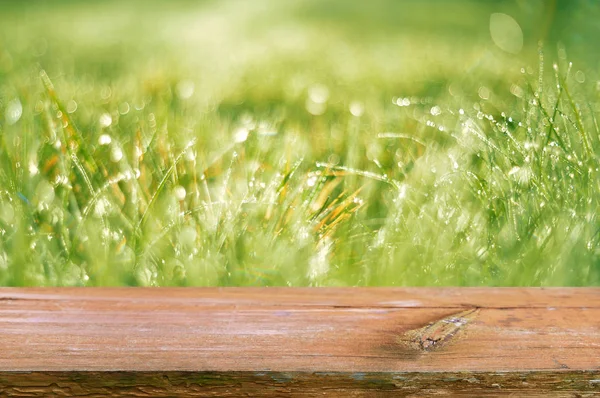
x,y
299,142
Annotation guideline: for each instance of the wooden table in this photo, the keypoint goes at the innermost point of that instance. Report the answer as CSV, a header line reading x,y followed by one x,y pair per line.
x,y
276,341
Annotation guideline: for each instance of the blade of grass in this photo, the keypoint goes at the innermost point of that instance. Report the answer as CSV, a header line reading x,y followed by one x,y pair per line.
x,y
160,187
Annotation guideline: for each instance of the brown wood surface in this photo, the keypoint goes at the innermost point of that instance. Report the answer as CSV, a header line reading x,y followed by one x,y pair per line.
x,y
235,341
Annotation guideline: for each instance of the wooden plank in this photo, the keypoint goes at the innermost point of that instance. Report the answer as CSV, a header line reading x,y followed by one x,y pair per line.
x,y
269,384
227,341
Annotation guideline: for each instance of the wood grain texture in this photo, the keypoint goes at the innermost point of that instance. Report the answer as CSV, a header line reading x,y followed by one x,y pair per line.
x,y
206,342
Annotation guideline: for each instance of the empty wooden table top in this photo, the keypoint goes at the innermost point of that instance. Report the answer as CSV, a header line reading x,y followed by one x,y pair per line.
x,y
269,341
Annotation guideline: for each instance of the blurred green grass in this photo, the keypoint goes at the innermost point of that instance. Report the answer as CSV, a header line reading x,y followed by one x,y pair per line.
x,y
299,143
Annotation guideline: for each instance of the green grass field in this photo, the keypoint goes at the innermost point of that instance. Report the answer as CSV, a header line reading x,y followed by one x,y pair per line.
x,y
299,143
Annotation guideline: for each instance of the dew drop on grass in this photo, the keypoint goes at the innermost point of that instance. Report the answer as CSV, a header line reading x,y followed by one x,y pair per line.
x,y
127,175
55,216
316,103
71,106
13,111
315,108
517,91
124,108
33,169
333,159
179,192
116,154
484,93
105,93
312,180
105,120
101,207
241,135
106,233
117,235
319,94
39,107
185,89
357,109
506,33
104,139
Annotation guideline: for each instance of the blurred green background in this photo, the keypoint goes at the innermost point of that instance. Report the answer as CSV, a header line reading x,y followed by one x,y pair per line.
x,y
299,142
